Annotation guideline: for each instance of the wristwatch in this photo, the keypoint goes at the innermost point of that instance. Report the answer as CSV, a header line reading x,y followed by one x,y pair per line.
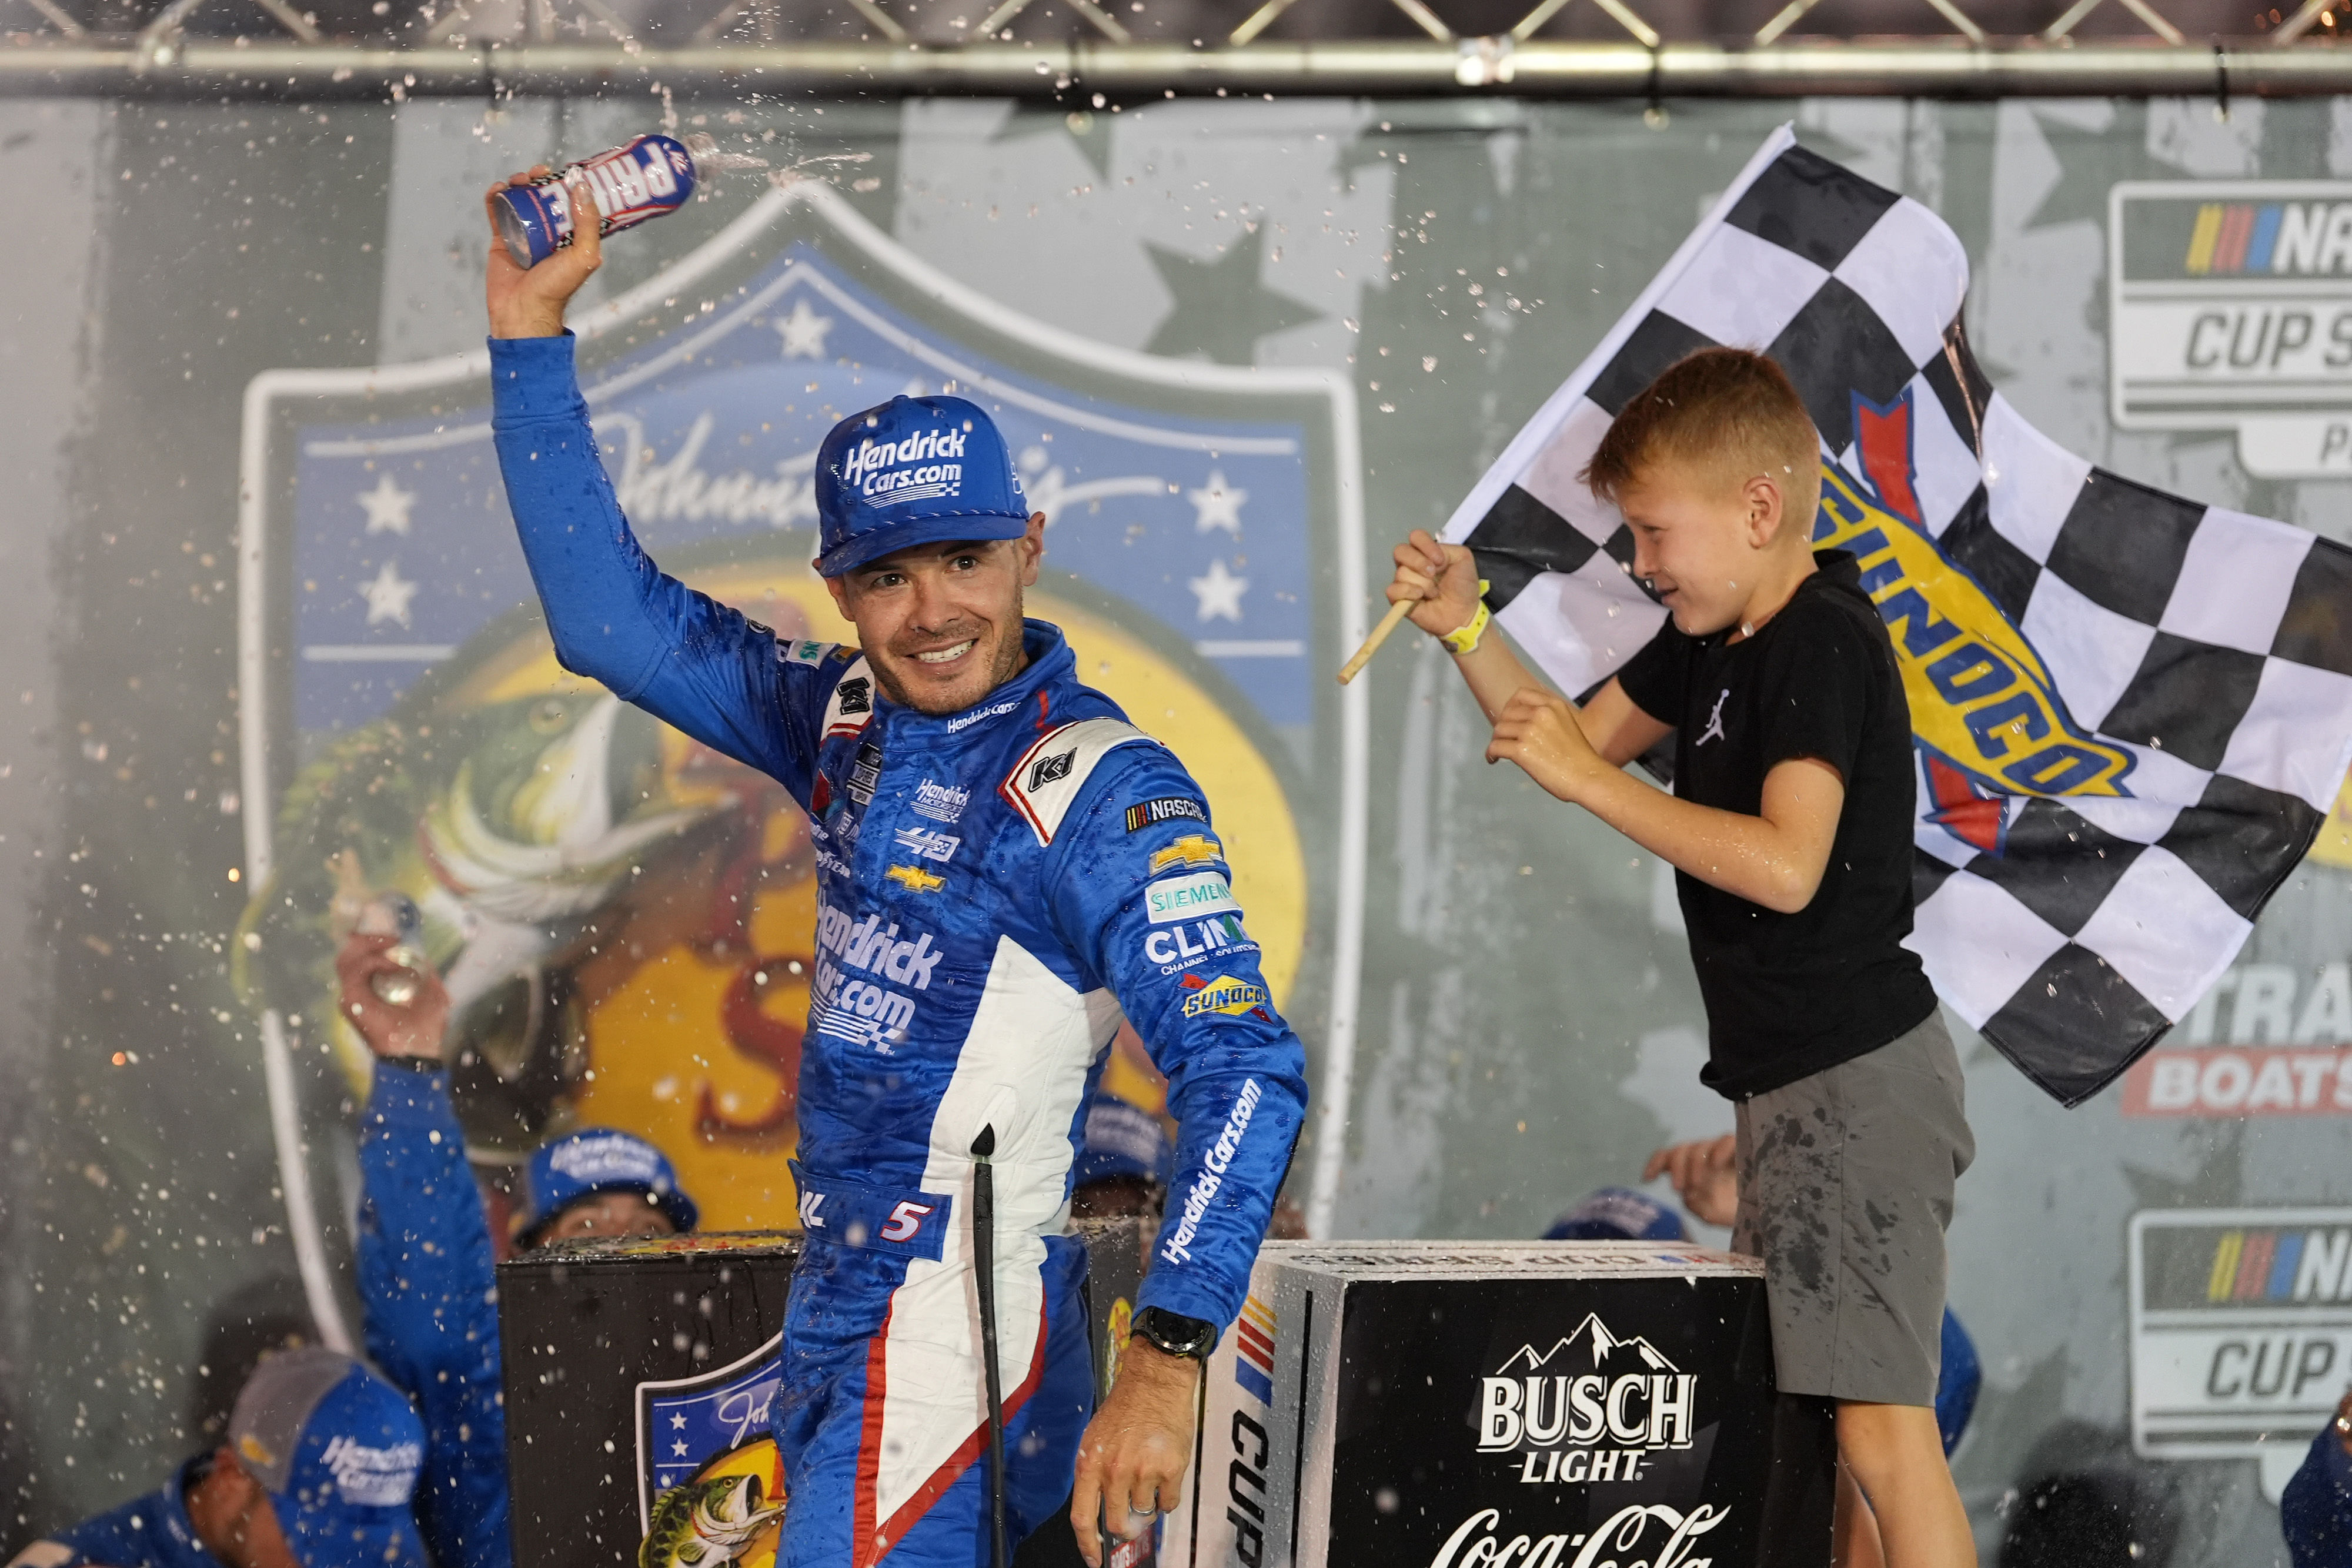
x,y
1174,1334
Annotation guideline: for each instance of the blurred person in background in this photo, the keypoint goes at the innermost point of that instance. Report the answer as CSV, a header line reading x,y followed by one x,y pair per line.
x,y
1618,1214
318,1471
2083,1500
2316,1510
426,1266
1124,1158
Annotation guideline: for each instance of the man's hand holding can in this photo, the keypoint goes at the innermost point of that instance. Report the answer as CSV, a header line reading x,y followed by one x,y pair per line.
x,y
530,303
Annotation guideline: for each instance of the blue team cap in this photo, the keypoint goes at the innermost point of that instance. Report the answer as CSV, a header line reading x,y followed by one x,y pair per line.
x,y
1956,1382
599,1159
1618,1214
1122,1140
914,471
338,1449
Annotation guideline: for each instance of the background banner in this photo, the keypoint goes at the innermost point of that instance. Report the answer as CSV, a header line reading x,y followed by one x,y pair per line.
x,y
1415,278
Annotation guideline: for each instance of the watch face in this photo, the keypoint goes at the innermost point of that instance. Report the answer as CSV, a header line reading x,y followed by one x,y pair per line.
x,y
1176,1335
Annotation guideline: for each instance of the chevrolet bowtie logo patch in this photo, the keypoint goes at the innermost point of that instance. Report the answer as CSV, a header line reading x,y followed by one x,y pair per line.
x,y
1193,848
916,878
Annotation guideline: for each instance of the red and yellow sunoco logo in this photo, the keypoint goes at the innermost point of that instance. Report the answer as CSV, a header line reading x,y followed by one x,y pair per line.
x,y
1981,696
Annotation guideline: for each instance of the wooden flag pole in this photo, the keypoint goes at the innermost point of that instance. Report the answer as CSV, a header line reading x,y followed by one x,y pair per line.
x,y
1363,655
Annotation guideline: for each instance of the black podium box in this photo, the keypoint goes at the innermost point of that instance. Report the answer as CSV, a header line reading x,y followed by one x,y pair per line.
x,y
1549,1405
634,1366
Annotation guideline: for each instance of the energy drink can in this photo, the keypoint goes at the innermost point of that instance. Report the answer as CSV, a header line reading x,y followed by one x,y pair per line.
x,y
395,914
642,179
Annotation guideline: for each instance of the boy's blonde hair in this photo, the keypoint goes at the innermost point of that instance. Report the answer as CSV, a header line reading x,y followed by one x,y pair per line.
x,y
1721,416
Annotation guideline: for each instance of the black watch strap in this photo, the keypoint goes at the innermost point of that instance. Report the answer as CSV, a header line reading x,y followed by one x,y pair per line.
x,y
1175,1334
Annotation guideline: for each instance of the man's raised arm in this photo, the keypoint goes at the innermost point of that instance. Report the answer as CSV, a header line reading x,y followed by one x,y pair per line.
x,y
615,616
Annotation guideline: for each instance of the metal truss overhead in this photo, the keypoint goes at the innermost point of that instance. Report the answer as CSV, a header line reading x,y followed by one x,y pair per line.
x,y
1086,55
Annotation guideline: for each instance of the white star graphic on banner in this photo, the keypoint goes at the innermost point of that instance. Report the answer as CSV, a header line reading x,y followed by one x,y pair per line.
x,y
803,331
677,1423
1219,594
679,1450
1217,505
388,595
387,506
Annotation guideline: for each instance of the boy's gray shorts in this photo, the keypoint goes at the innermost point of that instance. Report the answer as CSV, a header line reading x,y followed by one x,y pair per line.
x,y
1845,1188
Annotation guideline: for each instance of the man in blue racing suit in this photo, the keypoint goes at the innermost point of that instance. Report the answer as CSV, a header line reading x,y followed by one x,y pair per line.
x,y
1005,868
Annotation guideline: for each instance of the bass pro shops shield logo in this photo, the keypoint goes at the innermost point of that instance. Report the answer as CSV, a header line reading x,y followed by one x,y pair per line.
x,y
1987,719
710,1484
1591,1408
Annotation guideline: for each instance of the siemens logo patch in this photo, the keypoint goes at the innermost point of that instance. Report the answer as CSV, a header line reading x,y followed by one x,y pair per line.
x,y
1175,898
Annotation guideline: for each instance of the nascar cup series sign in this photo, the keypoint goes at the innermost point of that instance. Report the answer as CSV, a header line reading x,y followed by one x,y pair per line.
x,y
2240,1330
2231,306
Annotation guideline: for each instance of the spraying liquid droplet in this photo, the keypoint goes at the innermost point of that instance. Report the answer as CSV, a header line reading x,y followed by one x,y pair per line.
x,y
803,168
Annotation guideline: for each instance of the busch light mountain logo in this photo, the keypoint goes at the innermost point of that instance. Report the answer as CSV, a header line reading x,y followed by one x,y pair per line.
x,y
1589,1407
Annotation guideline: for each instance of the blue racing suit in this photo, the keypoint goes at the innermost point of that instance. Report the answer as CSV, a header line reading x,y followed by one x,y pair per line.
x,y
2316,1510
150,1532
997,888
428,1290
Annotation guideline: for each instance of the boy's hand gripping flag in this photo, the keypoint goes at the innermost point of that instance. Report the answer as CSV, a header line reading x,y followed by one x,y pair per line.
x,y
2131,711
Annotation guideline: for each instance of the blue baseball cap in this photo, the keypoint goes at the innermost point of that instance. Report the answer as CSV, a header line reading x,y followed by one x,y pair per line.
x,y
338,1449
1618,1214
1122,1140
913,471
599,1159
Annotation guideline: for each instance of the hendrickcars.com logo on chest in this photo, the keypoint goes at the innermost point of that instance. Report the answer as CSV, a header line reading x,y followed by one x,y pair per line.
x,y
2230,306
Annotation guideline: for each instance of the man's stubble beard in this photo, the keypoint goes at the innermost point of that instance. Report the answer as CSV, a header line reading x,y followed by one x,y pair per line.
x,y
1011,655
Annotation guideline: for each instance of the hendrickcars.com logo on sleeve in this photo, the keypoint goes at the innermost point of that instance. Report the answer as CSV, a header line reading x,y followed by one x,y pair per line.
x,y
2231,306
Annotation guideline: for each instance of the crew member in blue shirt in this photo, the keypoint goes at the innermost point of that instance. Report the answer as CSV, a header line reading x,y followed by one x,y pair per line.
x,y
426,1262
318,1471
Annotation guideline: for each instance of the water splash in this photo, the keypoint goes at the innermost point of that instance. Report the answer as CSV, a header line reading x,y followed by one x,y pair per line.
x,y
803,168
737,163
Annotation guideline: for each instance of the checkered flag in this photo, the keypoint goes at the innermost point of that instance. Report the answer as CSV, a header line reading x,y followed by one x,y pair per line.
x,y
2132,711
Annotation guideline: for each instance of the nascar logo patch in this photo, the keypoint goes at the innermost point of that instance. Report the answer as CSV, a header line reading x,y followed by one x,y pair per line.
x,y
1167,809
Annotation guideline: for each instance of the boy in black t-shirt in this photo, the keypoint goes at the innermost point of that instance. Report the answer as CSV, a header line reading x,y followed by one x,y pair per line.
x,y
1789,830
